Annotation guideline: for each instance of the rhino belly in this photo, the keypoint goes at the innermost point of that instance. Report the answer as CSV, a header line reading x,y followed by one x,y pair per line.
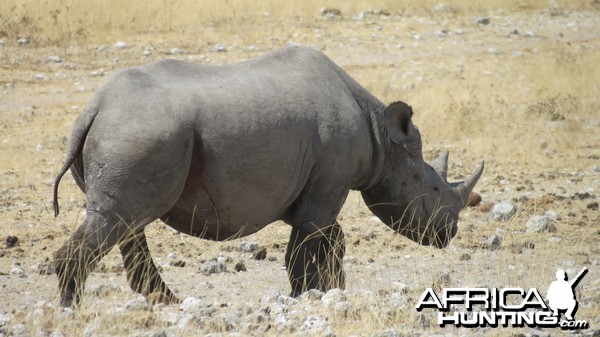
x,y
219,205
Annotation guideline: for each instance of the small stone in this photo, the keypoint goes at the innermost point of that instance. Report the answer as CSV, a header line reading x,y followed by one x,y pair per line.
x,y
240,266
330,13
137,304
529,34
189,304
248,247
493,242
542,223
213,266
80,88
312,294
465,257
261,254
284,322
53,59
97,73
483,21
349,259
332,297
23,41
341,308
16,270
219,48
503,211
316,325
40,76
11,241
147,52
2,42
121,45
175,51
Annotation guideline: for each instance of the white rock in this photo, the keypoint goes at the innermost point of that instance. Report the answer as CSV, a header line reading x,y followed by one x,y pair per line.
x,y
121,45
283,322
53,59
137,304
175,51
190,303
542,223
503,211
2,42
5,318
332,297
40,76
213,266
97,73
219,48
23,41
248,247
342,308
312,294
316,325
16,270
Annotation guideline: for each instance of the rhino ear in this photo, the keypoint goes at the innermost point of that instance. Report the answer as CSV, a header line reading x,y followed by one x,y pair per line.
x,y
397,118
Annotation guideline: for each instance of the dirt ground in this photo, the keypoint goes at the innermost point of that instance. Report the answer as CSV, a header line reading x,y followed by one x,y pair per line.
x,y
519,89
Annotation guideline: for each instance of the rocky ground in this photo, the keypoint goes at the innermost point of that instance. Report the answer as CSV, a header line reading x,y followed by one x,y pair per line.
x,y
518,89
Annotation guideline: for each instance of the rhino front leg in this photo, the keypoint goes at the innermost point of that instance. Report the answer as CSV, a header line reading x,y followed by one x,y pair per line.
x,y
314,259
142,274
78,256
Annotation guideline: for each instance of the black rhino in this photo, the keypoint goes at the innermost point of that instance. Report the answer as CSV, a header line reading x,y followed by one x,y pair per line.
x,y
222,151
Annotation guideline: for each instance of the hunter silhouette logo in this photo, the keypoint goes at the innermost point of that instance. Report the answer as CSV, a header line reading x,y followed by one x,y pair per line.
x,y
516,307
561,294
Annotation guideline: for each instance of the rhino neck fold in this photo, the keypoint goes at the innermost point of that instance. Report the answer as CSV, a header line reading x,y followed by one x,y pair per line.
x,y
379,144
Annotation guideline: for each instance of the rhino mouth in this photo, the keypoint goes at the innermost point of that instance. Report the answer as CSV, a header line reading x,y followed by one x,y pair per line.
x,y
438,236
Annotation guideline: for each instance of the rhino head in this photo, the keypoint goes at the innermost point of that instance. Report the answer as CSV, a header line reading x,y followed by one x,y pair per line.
x,y
411,196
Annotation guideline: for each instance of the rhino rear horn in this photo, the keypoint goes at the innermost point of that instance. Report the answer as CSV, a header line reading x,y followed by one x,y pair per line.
x,y
440,165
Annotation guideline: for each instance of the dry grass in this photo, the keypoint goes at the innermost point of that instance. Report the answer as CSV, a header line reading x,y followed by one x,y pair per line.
x,y
65,21
529,108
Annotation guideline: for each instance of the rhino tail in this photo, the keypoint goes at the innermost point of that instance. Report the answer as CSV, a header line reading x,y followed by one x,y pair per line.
x,y
78,135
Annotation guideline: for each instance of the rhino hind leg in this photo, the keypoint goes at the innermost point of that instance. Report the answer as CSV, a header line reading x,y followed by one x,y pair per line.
x,y
142,274
79,255
314,260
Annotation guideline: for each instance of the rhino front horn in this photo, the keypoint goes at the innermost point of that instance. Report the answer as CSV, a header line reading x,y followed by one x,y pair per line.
x,y
440,165
464,188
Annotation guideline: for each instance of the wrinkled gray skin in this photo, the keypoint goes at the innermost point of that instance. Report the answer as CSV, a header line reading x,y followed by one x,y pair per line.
x,y
219,152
